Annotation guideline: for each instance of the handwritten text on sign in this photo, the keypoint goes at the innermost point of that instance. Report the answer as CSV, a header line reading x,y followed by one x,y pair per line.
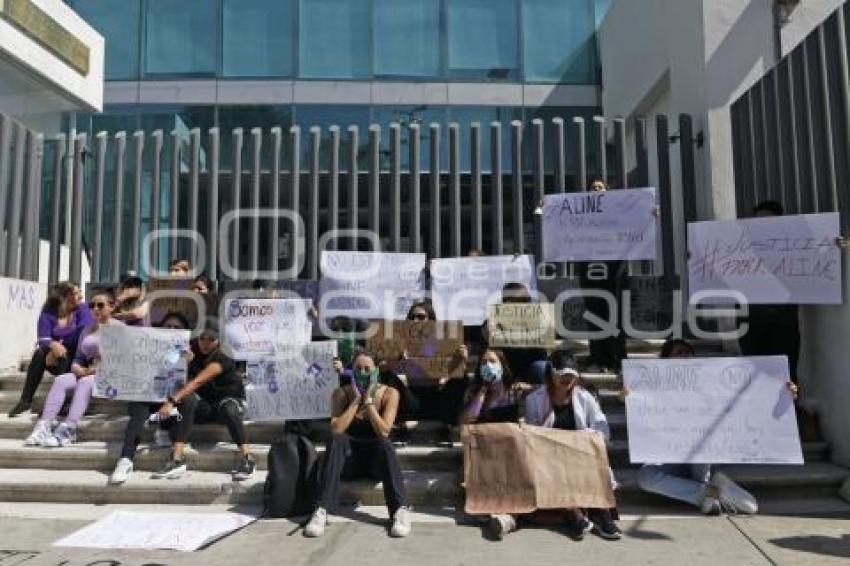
x,y
711,411
521,325
259,327
431,347
462,287
785,259
139,363
297,384
598,226
370,285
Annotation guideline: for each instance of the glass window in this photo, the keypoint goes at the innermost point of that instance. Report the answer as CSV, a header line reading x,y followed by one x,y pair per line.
x,y
485,116
423,115
334,39
482,39
407,38
325,116
559,41
258,38
180,37
118,22
248,118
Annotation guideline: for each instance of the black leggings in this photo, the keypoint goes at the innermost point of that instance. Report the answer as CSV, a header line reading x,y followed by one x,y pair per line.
x,y
196,410
139,414
36,369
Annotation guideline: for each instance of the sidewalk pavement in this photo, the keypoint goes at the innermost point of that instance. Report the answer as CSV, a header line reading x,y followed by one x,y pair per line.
x,y
445,538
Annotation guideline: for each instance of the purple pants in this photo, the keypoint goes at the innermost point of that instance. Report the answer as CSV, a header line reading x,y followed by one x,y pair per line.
x,y
62,386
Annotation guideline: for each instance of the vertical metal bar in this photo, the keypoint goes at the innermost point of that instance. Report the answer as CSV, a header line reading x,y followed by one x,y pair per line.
x,y
415,188
827,119
795,141
174,195
277,143
353,188
118,218
76,247
601,148
756,185
374,215
36,183
686,153
641,152
454,190
194,186
665,195
333,207
780,139
156,175
539,185
810,133
395,186
516,186
297,241
559,154
214,169
621,173
581,154
236,196
56,210
5,168
436,204
313,208
256,172
844,85
14,227
769,186
96,255
135,237
475,167
30,245
497,198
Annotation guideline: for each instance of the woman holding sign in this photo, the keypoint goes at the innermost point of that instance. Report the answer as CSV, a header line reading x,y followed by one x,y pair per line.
x,y
78,383
363,412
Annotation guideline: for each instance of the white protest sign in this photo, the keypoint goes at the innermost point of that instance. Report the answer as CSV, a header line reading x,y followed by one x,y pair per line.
x,y
463,287
139,363
783,259
255,328
711,411
185,532
297,384
521,325
600,226
370,284
20,302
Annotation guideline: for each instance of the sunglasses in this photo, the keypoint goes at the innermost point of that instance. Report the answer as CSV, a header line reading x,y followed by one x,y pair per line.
x,y
98,305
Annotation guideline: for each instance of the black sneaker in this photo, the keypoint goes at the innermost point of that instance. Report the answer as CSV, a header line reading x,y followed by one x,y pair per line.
x,y
578,526
20,407
604,526
172,470
245,469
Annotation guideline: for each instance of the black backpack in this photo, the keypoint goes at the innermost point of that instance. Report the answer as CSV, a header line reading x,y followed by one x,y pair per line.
x,y
292,481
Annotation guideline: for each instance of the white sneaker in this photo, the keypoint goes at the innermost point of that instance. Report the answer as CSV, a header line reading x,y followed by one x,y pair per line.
x,y
161,438
39,434
501,525
401,523
65,435
734,498
316,527
122,471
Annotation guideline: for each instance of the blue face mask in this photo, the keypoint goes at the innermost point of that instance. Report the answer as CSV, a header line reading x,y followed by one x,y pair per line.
x,y
491,372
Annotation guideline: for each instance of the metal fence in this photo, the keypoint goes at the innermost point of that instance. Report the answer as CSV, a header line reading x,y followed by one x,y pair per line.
x,y
791,130
444,210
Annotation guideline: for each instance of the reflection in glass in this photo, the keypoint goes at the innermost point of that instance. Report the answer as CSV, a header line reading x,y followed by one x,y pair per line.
x,y
407,38
258,38
181,37
482,39
334,39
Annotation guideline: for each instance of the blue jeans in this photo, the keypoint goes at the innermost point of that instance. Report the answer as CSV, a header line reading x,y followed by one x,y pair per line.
x,y
684,482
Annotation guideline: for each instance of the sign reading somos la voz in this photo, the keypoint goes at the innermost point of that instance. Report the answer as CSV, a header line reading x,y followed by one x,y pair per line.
x,y
521,325
711,411
600,226
297,383
259,327
139,363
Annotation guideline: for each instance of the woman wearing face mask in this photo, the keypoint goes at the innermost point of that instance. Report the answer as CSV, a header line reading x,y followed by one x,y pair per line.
x,y
63,317
363,412
492,395
79,382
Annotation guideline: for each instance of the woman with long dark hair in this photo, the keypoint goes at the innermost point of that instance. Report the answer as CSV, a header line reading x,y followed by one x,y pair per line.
x,y
491,396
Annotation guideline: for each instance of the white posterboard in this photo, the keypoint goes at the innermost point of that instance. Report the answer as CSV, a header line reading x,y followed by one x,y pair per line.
x,y
139,363
369,285
776,260
600,225
185,532
463,287
21,306
297,384
711,411
257,328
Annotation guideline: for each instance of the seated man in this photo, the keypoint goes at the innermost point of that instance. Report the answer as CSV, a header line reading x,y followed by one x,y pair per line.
x,y
363,412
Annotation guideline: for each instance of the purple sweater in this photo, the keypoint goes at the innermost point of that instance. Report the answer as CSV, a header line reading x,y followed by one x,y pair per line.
x,y
49,329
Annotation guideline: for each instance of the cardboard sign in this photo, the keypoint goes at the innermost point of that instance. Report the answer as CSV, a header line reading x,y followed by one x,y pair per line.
x,y
255,328
297,384
140,363
600,226
431,347
711,411
783,259
463,287
371,284
510,468
521,325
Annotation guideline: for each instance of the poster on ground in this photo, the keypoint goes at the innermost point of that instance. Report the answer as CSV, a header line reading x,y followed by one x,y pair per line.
x,y
257,328
419,349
